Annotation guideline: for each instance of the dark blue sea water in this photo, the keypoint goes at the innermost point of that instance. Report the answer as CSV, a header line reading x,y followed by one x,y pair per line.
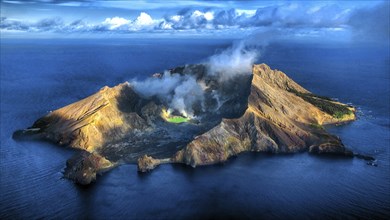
x,y
42,75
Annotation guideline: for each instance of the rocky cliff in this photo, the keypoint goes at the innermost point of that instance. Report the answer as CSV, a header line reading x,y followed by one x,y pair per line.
x,y
277,120
88,124
264,111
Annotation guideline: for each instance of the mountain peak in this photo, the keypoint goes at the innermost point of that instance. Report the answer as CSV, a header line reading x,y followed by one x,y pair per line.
x,y
276,77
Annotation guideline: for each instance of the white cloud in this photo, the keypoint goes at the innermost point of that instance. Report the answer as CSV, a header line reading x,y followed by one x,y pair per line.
x,y
115,22
293,19
234,61
209,16
144,20
246,12
200,19
176,18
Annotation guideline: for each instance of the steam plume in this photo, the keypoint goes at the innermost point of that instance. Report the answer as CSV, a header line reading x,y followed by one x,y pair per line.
x,y
183,92
180,92
233,61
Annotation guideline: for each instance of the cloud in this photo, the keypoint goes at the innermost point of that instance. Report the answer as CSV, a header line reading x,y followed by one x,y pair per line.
x,y
188,95
115,22
143,21
120,4
372,24
236,60
292,18
43,1
293,15
179,92
9,24
49,24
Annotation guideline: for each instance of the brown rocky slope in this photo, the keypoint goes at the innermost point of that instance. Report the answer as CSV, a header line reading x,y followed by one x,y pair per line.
x,y
276,120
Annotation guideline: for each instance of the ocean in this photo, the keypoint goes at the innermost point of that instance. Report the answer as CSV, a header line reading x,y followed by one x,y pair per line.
x,y
41,75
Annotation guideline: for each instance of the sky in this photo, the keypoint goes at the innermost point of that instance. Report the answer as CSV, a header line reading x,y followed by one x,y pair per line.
x,y
333,20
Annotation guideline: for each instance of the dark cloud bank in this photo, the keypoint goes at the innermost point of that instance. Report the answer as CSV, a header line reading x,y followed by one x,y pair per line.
x,y
372,24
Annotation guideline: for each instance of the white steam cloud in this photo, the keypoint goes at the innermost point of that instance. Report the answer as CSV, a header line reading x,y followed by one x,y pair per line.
x,y
186,95
161,87
182,93
236,60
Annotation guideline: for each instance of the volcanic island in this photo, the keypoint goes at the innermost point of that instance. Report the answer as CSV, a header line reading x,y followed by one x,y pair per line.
x,y
262,111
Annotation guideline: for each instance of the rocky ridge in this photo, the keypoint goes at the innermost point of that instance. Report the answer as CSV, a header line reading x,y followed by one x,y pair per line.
x,y
276,121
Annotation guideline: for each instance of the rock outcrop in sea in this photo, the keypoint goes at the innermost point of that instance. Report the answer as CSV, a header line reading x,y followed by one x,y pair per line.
x,y
265,111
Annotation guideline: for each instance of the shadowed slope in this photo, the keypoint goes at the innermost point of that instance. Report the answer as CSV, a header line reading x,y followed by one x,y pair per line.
x,y
88,124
